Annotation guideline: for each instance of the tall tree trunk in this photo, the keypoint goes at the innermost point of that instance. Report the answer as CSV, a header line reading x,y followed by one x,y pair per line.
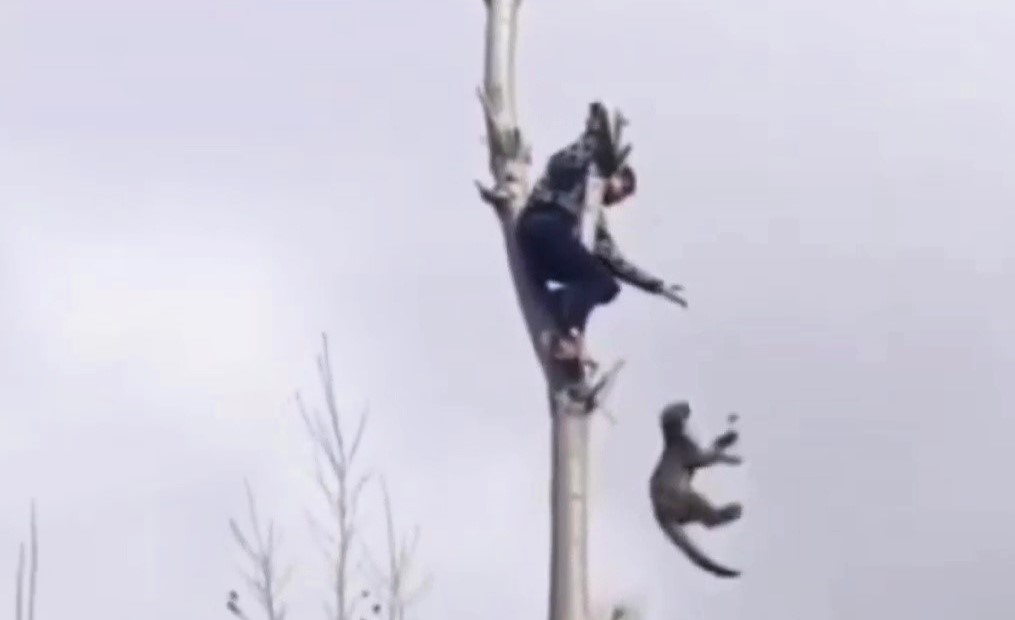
x,y
509,164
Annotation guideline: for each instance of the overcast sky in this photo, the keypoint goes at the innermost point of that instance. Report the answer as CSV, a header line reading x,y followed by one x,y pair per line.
x,y
190,192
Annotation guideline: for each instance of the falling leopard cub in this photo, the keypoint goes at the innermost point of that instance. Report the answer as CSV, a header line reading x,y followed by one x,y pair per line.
x,y
674,501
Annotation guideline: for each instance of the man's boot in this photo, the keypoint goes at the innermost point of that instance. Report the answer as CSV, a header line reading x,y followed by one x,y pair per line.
x,y
569,348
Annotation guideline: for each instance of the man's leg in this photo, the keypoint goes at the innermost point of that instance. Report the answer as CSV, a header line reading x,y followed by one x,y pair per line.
x,y
536,230
552,248
593,285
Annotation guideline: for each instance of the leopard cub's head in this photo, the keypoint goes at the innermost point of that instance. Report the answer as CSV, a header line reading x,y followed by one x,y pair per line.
x,y
674,417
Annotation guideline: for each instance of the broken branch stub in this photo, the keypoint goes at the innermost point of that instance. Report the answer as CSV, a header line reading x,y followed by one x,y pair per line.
x,y
509,156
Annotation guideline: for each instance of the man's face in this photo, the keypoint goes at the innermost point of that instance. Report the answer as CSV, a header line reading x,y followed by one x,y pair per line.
x,y
616,190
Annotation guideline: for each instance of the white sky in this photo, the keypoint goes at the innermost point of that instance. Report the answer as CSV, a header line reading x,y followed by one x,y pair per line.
x,y
190,192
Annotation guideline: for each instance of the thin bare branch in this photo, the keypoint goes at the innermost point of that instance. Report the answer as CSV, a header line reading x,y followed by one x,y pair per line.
x,y
255,585
330,494
394,576
252,511
414,594
358,436
23,600
34,566
326,540
376,575
241,540
20,584
407,551
328,383
272,538
261,554
357,491
284,579
401,554
319,435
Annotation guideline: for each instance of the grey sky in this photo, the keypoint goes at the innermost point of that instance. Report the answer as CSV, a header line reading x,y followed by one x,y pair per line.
x,y
190,192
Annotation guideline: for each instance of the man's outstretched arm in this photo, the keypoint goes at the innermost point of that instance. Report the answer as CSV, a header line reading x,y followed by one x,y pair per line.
x,y
605,247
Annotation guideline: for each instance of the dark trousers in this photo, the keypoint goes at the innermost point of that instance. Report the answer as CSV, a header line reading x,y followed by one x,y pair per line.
x,y
548,238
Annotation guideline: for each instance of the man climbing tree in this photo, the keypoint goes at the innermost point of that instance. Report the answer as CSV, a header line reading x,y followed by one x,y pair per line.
x,y
548,231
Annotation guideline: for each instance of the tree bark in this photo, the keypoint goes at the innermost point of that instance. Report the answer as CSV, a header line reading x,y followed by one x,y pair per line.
x,y
509,164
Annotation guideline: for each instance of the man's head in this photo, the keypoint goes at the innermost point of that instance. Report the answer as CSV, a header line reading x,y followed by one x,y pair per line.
x,y
622,184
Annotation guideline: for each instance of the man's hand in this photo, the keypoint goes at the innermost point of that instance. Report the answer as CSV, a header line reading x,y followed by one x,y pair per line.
x,y
673,292
731,459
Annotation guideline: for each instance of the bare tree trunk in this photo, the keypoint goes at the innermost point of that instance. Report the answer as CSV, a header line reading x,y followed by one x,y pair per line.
x,y
509,164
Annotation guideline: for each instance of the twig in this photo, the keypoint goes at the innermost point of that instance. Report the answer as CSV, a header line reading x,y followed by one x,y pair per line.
x,y
265,583
33,571
19,584
401,555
